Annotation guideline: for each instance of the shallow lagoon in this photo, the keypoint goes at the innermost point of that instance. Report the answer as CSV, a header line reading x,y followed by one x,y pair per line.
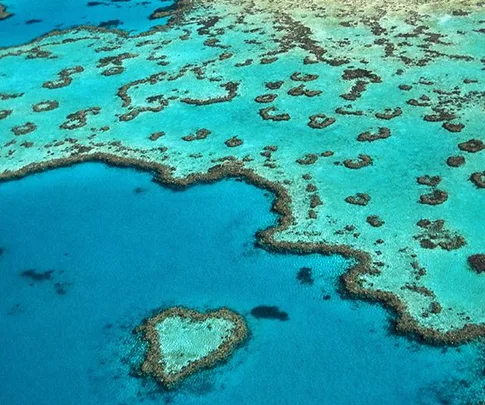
x,y
69,334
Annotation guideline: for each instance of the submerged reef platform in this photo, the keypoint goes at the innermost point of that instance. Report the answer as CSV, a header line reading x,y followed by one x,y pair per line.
x,y
182,341
363,118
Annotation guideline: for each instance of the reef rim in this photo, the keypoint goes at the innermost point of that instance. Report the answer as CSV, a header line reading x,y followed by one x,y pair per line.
x,y
153,364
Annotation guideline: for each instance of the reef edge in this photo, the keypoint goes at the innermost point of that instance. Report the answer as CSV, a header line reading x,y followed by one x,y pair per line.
x,y
351,284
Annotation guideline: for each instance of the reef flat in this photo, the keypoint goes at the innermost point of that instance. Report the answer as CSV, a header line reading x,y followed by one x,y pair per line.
x,y
364,121
183,341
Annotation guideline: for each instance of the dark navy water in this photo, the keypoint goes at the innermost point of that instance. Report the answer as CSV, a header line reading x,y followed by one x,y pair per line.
x,y
31,20
89,251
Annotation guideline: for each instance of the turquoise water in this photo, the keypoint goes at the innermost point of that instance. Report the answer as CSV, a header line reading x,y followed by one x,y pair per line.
x,y
88,252
120,246
32,20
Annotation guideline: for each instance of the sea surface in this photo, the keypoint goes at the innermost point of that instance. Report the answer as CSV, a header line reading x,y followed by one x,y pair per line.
x,y
30,21
89,251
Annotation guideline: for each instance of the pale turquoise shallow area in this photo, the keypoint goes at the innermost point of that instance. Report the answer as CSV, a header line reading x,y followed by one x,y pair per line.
x,y
121,254
183,341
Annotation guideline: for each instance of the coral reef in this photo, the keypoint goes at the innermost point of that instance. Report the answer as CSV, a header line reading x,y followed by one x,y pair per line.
x,y
328,77
182,341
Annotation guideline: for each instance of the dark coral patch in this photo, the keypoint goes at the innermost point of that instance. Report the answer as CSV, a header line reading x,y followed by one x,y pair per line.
x,y
64,79
310,188
375,221
200,134
113,71
233,142
315,201
441,115
453,127
247,62
429,180
37,276
351,74
302,77
269,312
139,190
225,55
231,89
435,234
61,288
4,114
359,163
455,161
8,96
389,114
472,146
274,85
268,61
266,98
308,159
361,199
477,263
343,111
44,106
116,60
320,121
302,91
24,129
78,119
478,179
265,114
355,91
305,276
110,24
369,136
115,63
422,102
436,197
162,12
156,135
33,21
427,244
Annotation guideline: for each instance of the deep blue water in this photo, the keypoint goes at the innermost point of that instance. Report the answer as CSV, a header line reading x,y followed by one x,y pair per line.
x,y
121,246
32,20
